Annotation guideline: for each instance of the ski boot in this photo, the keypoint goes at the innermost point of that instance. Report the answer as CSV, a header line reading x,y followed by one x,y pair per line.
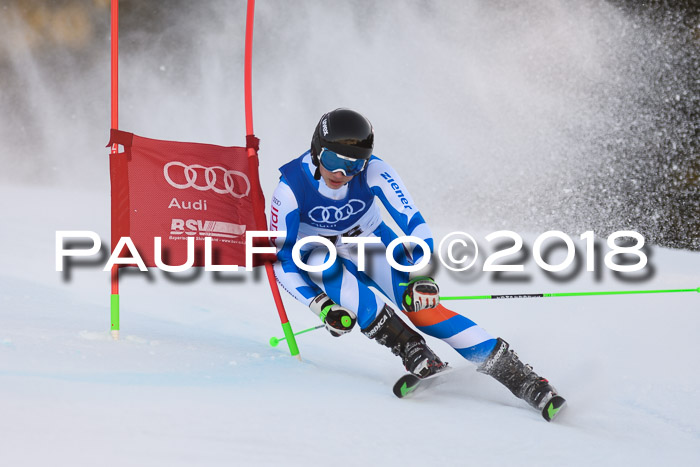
x,y
389,330
505,366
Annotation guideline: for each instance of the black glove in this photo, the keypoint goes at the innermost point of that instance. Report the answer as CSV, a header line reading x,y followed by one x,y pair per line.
x,y
338,320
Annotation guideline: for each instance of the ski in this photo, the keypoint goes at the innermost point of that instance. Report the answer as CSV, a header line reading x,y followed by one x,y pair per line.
x,y
552,407
409,383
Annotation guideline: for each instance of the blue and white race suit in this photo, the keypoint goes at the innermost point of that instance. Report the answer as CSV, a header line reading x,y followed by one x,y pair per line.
x,y
303,206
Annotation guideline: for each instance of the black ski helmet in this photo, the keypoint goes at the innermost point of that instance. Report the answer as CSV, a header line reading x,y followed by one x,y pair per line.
x,y
345,132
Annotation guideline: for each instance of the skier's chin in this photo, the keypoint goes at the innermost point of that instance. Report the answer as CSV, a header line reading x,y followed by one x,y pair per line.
x,y
335,184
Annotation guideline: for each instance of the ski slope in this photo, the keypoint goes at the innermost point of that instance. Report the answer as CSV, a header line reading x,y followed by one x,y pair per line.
x,y
193,380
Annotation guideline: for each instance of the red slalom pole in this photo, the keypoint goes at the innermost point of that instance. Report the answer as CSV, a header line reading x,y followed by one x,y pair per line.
x,y
257,197
114,276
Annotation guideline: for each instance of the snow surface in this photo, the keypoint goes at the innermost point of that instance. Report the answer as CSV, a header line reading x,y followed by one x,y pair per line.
x,y
193,380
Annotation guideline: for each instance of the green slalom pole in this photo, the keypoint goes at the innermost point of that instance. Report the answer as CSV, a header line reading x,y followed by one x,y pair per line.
x,y
288,332
565,294
114,315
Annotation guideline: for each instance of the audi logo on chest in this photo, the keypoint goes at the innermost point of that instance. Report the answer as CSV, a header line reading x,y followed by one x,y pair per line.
x,y
206,178
332,214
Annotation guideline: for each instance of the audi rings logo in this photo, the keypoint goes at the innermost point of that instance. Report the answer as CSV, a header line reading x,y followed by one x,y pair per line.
x,y
331,214
218,179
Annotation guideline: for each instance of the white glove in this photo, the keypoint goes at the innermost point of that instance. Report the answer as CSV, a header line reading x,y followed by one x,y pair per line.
x,y
338,320
421,293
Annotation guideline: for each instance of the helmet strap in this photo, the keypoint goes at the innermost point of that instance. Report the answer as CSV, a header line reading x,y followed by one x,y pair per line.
x,y
316,160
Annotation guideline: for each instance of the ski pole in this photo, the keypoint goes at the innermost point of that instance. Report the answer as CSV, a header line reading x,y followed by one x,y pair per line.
x,y
276,340
565,294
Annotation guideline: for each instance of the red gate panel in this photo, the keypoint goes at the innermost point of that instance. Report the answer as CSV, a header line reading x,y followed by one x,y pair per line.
x,y
175,191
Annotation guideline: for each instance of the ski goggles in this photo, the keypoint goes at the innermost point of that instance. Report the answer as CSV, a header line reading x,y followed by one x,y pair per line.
x,y
334,162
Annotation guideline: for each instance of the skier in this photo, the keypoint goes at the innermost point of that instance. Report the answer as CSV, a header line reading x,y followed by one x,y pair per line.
x,y
332,191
